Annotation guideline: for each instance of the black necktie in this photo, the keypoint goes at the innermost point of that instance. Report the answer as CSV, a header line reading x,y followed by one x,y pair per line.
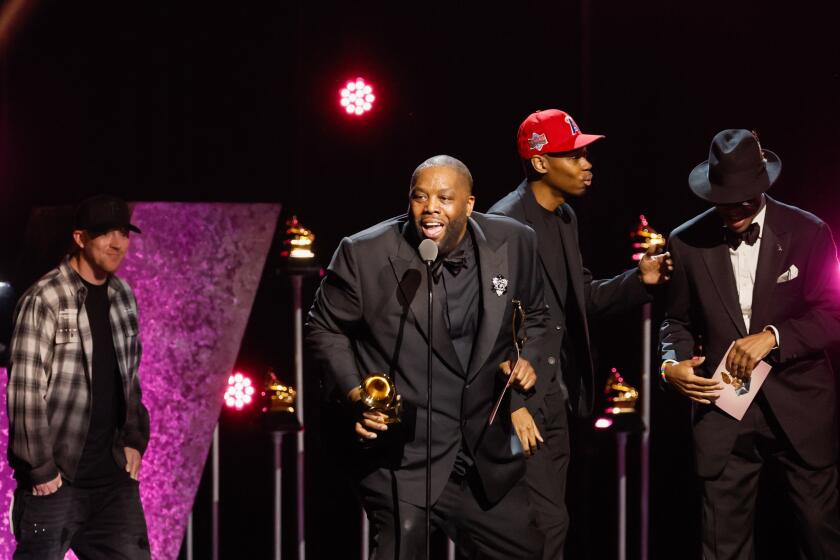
x,y
748,236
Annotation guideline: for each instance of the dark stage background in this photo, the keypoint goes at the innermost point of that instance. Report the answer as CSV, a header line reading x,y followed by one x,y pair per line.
x,y
207,100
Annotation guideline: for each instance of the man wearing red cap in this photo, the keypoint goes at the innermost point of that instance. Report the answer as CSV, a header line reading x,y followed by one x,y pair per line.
x,y
554,154
762,277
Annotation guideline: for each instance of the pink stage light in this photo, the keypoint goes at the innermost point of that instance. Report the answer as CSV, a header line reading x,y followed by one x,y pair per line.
x,y
603,423
239,392
357,97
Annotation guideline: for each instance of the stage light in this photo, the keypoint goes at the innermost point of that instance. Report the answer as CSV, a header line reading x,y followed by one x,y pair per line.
x,y
357,97
239,392
603,423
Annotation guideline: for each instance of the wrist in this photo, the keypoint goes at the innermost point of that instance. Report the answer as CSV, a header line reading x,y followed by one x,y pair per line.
x,y
774,335
663,369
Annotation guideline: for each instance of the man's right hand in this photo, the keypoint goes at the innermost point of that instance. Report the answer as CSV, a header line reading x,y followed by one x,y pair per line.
x,y
699,389
47,488
370,422
527,430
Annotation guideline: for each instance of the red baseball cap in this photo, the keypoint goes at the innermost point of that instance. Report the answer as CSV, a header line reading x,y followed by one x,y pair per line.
x,y
550,131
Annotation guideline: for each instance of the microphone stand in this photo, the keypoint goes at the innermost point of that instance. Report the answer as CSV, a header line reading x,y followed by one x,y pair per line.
x,y
428,253
429,417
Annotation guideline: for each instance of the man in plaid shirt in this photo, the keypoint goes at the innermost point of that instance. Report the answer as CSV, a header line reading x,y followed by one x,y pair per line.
x,y
78,428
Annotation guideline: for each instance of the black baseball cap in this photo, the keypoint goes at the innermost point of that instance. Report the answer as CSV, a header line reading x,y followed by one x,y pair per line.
x,y
102,213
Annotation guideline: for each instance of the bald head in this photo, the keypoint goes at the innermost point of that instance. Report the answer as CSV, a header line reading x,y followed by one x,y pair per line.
x,y
441,201
443,161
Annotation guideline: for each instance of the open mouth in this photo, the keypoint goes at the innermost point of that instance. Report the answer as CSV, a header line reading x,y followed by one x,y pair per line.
x,y
737,223
432,229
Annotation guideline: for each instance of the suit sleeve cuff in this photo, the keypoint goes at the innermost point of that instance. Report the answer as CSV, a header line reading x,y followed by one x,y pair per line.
x,y
345,385
44,473
775,332
135,440
519,400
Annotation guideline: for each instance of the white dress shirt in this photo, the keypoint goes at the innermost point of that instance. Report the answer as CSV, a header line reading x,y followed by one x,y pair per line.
x,y
744,265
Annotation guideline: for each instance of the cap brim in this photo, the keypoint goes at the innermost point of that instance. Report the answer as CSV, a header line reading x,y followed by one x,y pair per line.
x,y
102,228
582,140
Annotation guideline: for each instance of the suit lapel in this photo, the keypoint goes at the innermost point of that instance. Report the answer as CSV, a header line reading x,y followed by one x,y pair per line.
x,y
414,289
575,267
546,253
492,262
720,270
774,246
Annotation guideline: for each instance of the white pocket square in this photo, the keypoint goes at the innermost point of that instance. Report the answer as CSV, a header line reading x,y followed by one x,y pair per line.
x,y
788,275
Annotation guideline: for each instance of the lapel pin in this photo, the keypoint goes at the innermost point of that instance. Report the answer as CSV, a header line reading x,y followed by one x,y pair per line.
x,y
500,284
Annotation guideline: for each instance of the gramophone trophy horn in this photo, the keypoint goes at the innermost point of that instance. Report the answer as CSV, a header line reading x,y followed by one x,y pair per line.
x,y
379,394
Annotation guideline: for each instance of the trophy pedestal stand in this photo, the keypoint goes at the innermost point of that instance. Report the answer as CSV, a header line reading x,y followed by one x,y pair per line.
x,y
620,418
279,425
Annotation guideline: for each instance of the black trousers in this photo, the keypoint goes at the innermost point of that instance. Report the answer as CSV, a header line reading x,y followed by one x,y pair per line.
x,y
547,472
506,530
96,523
729,499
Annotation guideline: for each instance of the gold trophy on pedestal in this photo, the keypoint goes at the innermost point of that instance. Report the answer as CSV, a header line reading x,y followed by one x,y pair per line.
x,y
620,414
621,396
379,394
646,237
278,405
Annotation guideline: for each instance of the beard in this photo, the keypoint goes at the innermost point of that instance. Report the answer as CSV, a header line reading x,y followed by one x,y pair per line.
x,y
455,230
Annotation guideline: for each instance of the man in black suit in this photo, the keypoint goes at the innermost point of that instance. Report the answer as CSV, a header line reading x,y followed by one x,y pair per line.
x,y
370,315
765,276
554,155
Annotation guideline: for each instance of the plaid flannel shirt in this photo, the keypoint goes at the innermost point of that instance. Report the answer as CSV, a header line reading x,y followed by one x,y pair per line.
x,y
49,390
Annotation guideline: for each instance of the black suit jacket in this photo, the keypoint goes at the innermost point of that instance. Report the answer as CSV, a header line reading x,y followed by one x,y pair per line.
x,y
703,310
596,297
370,315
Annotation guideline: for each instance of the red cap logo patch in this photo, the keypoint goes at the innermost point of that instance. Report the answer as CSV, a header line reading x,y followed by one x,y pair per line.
x,y
537,141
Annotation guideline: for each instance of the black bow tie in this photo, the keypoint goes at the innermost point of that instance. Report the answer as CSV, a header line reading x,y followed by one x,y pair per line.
x,y
453,262
748,236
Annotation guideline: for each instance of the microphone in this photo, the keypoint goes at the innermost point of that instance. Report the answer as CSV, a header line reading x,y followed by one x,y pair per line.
x,y
428,253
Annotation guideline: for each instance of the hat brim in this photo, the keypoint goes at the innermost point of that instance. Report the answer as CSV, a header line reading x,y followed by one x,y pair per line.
x,y
582,140
698,181
102,228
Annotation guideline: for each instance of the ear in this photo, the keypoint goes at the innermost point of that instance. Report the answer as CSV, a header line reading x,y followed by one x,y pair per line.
x,y
470,204
538,163
80,238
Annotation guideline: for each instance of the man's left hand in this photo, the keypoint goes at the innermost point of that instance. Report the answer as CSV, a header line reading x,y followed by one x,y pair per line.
x,y
748,351
523,376
132,462
655,269
527,431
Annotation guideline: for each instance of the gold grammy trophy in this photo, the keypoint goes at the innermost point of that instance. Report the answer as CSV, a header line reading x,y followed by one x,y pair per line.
x,y
646,237
621,396
379,394
278,405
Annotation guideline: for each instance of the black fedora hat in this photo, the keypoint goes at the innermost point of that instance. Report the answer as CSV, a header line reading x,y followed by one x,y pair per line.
x,y
103,212
737,169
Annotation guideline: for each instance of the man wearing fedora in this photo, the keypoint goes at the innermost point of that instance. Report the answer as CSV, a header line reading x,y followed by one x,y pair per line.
x,y
764,276
77,425
554,155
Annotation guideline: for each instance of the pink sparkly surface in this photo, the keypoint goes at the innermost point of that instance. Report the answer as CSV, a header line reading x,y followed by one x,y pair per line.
x,y
195,270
